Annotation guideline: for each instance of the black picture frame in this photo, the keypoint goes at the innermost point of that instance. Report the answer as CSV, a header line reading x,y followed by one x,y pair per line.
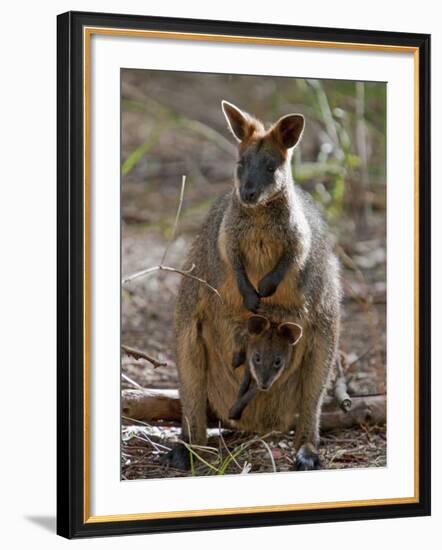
x,y
71,520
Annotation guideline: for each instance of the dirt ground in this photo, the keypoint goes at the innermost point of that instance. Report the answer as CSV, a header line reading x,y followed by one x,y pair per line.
x,y
147,309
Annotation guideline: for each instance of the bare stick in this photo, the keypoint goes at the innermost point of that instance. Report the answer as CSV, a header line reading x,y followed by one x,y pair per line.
x,y
137,354
135,384
187,273
175,223
340,390
270,454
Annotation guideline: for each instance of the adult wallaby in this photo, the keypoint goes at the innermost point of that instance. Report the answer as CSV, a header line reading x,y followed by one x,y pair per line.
x,y
265,248
266,351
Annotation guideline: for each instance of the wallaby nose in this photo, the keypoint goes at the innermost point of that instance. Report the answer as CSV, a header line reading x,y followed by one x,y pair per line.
x,y
250,195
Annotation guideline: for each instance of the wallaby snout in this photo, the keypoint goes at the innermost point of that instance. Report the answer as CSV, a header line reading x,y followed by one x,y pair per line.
x,y
249,194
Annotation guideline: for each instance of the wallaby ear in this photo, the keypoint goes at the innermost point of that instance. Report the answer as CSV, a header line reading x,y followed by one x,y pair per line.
x,y
288,130
239,122
291,331
257,324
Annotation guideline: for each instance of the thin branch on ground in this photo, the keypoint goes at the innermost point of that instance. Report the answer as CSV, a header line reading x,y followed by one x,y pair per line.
x,y
175,223
135,384
137,354
270,454
340,390
187,273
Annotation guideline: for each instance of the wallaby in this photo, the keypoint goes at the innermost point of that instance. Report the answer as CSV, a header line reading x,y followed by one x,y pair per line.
x,y
268,351
261,176
265,247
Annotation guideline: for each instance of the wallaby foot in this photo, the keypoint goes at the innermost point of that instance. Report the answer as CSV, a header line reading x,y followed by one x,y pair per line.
x,y
307,458
178,457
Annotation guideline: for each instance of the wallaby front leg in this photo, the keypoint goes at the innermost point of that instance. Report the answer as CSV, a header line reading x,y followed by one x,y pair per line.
x,y
245,287
191,358
270,282
313,381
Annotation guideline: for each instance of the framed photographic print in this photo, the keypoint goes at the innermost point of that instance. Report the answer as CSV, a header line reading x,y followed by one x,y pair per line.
x,y
243,274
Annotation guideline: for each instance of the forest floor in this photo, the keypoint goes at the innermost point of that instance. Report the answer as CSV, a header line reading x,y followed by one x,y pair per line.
x,y
147,310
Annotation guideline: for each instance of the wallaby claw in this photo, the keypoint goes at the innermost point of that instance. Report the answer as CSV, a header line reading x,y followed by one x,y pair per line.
x,y
251,302
307,459
266,287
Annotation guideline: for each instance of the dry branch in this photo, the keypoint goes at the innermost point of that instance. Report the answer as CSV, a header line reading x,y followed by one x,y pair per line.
x,y
137,354
177,218
340,390
369,409
151,405
187,273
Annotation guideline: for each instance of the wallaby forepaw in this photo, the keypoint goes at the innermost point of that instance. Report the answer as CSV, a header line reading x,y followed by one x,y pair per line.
x,y
266,287
251,302
238,358
178,458
235,413
307,458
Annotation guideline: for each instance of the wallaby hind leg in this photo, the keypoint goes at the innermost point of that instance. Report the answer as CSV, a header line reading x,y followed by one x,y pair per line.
x,y
313,384
191,359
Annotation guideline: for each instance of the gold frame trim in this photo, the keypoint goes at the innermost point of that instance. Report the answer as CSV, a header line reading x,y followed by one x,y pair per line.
x,y
87,33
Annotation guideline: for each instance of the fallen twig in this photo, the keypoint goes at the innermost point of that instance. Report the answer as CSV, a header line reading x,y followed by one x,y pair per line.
x,y
340,389
177,217
187,273
137,354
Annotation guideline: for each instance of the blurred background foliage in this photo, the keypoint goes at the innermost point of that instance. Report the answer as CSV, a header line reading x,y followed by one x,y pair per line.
x,y
172,124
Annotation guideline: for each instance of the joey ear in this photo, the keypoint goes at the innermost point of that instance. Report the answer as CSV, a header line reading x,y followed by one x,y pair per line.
x,y
257,324
239,122
291,331
288,130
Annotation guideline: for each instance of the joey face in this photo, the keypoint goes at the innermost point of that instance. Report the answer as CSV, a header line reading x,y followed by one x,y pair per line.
x,y
270,349
263,168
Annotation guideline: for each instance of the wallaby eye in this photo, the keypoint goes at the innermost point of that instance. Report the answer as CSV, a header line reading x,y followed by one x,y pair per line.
x,y
271,169
277,363
257,358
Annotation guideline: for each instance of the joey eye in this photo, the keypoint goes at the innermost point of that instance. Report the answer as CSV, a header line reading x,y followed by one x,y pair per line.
x,y
257,358
271,169
277,363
